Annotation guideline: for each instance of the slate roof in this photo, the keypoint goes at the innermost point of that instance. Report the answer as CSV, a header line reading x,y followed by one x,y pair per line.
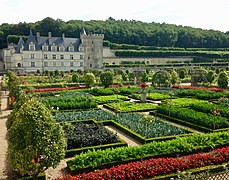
x,y
20,44
45,40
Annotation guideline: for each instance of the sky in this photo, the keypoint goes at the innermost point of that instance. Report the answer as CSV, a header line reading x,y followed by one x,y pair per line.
x,y
205,14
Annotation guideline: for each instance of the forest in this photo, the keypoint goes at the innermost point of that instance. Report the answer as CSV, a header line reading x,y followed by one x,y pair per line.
x,y
121,32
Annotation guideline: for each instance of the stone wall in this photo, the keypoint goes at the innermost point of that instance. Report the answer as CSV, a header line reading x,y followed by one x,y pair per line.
x,y
147,61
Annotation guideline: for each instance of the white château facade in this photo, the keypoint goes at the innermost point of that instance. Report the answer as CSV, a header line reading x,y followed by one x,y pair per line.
x,y
47,53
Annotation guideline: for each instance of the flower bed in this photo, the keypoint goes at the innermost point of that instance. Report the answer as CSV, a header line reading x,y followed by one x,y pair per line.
x,y
184,145
70,102
110,98
84,115
195,117
56,89
207,108
84,135
160,166
130,107
153,96
186,102
202,94
102,91
198,88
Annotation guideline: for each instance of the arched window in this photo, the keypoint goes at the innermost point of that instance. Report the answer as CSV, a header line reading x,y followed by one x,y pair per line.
x,y
18,64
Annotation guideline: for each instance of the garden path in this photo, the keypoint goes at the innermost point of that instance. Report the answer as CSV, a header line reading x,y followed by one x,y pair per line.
x,y
128,139
5,169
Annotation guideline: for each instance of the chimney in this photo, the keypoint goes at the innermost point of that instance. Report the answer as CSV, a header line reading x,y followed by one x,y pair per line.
x,y
49,35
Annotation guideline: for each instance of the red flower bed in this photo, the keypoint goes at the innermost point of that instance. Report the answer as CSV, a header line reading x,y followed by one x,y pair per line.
x,y
56,89
143,85
198,88
154,167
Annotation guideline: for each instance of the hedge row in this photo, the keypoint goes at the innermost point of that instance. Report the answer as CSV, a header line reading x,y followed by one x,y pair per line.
x,y
161,53
185,145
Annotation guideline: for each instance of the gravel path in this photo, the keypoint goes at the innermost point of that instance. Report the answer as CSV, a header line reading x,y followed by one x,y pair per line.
x,y
5,169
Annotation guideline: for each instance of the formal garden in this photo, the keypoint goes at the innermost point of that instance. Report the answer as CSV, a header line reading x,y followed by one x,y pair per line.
x,y
180,130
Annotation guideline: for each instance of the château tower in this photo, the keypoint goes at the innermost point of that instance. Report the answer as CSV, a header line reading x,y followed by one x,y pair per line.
x,y
93,50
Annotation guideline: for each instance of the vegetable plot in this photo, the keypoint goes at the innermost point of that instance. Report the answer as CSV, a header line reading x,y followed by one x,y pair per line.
x,y
85,135
149,130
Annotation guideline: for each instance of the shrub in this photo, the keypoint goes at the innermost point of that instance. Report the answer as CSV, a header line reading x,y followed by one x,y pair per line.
x,y
36,141
106,78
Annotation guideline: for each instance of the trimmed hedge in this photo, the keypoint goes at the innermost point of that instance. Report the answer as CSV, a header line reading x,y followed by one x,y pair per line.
x,y
195,117
185,145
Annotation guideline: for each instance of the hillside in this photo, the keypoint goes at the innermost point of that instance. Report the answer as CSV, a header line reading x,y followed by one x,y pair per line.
x,y
123,32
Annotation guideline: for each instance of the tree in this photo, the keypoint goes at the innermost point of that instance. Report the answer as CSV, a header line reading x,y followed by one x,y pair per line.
x,y
161,78
198,76
89,79
14,86
145,78
210,76
174,77
182,73
118,79
75,78
223,80
106,78
57,73
36,141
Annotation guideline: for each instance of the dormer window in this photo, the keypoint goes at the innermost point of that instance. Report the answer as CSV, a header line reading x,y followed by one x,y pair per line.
x,y
53,48
31,47
61,48
71,49
45,48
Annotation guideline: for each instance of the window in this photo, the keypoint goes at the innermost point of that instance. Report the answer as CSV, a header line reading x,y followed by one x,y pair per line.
x,y
61,48
81,56
54,63
18,64
32,64
45,64
53,48
54,56
61,56
45,48
88,58
90,65
71,49
45,56
31,56
71,64
31,47
71,56
81,64
62,64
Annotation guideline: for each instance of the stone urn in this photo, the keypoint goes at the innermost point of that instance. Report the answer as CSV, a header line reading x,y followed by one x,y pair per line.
x,y
143,92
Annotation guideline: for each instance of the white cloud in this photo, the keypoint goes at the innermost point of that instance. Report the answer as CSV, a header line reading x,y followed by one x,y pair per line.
x,y
197,13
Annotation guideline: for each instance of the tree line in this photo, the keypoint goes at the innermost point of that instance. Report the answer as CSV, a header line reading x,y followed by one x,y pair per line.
x,y
122,32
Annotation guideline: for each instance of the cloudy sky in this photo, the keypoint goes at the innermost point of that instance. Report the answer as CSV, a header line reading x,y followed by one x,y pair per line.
x,y
205,14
